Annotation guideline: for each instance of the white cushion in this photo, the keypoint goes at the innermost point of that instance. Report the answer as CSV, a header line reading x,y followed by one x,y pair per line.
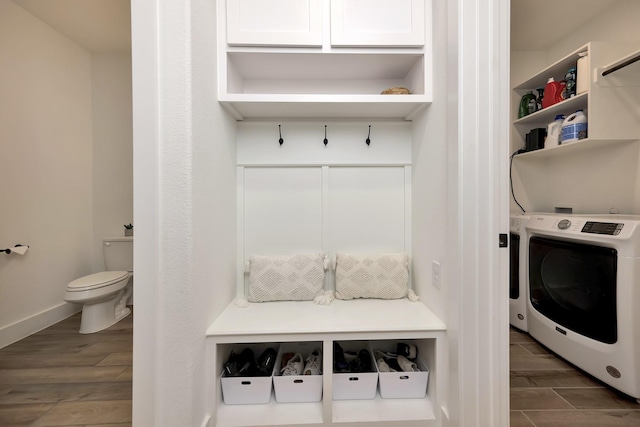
x,y
286,278
381,276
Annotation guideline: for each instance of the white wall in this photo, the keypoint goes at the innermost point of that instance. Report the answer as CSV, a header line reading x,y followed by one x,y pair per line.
x,y
620,23
184,208
602,179
112,148
45,187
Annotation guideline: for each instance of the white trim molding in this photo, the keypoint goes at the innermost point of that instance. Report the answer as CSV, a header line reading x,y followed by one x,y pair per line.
x,y
25,327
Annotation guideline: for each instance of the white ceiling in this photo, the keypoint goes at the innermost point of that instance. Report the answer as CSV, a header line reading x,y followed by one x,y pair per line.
x,y
539,24
105,25
97,25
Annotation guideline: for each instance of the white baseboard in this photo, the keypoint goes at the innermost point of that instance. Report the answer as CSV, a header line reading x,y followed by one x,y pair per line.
x,y
445,416
22,329
205,422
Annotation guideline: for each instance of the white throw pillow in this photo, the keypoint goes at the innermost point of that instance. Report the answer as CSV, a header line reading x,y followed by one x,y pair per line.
x,y
286,278
382,276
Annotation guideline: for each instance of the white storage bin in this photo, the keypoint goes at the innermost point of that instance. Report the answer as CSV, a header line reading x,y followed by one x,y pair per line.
x,y
297,388
401,385
355,385
248,390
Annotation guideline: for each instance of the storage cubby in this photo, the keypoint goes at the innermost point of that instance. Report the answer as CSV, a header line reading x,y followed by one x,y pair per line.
x,y
300,388
608,100
288,323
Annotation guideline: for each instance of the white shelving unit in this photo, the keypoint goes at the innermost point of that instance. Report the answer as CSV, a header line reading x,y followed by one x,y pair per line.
x,y
266,73
341,321
605,101
319,59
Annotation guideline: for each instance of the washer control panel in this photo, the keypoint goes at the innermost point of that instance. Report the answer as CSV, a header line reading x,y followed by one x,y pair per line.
x,y
610,228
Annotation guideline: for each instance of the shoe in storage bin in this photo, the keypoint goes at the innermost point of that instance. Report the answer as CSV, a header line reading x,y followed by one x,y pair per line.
x,y
305,386
354,376
247,374
401,384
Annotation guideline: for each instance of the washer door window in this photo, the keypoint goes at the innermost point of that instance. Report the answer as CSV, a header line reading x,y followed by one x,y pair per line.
x,y
574,285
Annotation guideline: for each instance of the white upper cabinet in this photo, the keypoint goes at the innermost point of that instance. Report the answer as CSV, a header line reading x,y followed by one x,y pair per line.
x,y
396,23
352,23
274,22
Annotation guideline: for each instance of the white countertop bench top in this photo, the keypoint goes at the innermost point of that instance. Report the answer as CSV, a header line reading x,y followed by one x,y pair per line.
x,y
304,317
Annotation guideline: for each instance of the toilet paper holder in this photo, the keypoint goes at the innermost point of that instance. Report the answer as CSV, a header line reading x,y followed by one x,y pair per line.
x,y
9,250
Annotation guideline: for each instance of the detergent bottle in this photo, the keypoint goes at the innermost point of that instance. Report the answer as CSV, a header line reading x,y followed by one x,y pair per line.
x,y
552,93
574,127
554,132
528,99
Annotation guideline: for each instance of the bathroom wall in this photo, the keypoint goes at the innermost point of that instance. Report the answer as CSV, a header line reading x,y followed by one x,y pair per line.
x,y
112,148
46,170
603,178
66,162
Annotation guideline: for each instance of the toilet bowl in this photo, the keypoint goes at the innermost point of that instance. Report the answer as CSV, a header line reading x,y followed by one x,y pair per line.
x,y
104,295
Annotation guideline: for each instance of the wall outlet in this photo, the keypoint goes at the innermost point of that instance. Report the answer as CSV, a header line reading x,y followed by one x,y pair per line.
x,y
435,274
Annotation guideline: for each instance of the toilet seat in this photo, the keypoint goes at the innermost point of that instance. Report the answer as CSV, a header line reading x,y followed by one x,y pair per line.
x,y
97,281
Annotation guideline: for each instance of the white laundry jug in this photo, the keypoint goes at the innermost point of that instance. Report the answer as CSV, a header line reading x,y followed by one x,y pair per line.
x,y
574,127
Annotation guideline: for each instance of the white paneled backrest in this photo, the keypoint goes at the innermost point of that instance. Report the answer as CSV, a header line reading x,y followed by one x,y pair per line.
x,y
274,22
366,209
304,197
282,210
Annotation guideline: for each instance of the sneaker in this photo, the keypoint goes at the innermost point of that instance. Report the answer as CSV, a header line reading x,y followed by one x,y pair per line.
x,y
285,359
230,367
393,364
407,365
314,363
246,363
294,366
240,365
410,351
266,362
339,362
383,366
362,363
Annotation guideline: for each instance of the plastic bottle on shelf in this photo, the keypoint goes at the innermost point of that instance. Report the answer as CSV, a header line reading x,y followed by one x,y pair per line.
x,y
570,78
563,91
554,132
552,93
524,109
574,127
539,98
582,73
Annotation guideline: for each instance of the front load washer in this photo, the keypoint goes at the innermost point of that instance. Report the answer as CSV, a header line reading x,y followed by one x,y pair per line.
x,y
518,276
584,293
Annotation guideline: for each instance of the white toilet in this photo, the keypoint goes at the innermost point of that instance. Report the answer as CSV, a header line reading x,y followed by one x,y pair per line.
x,y
104,295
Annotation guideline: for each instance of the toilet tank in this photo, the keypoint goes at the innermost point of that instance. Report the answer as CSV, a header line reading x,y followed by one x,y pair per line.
x,y
118,253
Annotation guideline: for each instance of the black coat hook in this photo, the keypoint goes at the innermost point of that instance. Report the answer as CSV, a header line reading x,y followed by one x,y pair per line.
x,y
281,141
368,140
326,141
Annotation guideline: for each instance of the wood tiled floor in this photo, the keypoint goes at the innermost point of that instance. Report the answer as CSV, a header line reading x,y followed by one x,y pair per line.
x,y
58,377
546,391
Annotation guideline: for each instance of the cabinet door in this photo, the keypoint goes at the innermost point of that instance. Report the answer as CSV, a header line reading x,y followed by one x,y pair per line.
x,y
274,22
377,22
